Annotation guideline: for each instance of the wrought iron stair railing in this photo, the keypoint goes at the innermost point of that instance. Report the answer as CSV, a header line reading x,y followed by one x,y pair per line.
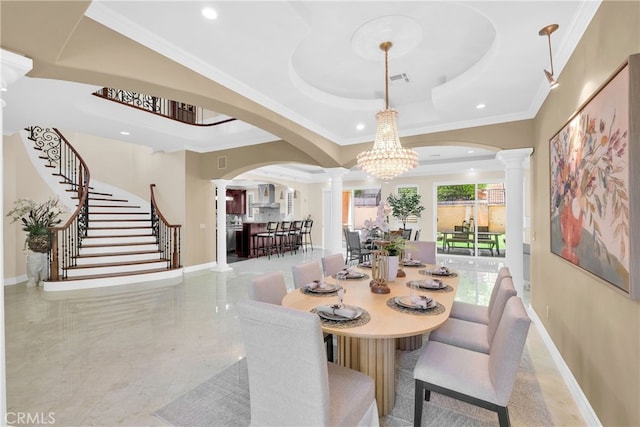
x,y
180,111
167,235
66,239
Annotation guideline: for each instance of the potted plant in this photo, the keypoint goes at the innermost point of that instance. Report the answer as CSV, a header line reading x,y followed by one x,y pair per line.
x,y
391,250
35,219
405,205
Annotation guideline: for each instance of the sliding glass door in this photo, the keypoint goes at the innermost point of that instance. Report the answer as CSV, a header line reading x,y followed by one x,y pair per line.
x,y
471,219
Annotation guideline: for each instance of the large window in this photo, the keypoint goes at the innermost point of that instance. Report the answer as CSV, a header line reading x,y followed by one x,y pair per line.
x,y
411,190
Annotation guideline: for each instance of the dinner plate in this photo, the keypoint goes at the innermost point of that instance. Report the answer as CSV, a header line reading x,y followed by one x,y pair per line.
x,y
364,265
405,301
329,287
351,276
331,316
431,284
413,263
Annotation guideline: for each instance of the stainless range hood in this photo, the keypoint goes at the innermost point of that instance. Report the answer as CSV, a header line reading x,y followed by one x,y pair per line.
x,y
266,197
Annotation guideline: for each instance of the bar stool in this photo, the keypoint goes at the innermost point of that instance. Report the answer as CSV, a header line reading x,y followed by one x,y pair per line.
x,y
306,235
295,236
265,241
284,241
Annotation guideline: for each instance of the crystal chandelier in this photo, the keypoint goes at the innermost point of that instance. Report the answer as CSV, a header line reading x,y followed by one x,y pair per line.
x,y
387,159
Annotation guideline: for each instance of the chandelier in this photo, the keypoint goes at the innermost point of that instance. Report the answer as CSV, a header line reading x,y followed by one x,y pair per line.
x,y
387,159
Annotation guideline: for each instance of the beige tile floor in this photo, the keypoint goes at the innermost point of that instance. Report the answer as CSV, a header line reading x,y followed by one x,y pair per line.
x,y
112,356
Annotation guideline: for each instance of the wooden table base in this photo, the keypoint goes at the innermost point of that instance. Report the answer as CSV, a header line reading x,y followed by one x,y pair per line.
x,y
375,357
409,343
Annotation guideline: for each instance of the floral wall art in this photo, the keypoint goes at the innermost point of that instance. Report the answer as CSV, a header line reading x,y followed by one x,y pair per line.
x,y
593,161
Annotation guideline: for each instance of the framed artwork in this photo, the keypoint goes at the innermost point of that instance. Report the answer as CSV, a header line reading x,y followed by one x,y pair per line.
x,y
595,178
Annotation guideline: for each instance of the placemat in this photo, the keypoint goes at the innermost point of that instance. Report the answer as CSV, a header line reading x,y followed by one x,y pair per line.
x,y
438,309
430,273
446,288
364,277
306,291
364,318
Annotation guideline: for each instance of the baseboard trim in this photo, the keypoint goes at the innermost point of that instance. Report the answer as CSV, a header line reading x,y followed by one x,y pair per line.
x,y
581,400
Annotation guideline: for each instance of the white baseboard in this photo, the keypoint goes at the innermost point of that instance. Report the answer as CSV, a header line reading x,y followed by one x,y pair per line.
x,y
581,400
199,267
15,280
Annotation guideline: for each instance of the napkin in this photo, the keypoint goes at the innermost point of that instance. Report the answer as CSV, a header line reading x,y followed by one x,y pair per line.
x,y
432,284
315,284
345,312
421,301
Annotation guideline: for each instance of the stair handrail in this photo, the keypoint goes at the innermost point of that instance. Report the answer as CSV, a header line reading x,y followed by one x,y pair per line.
x,y
167,108
66,239
167,235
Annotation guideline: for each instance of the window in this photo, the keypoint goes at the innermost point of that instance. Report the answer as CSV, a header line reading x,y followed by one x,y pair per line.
x,y
411,190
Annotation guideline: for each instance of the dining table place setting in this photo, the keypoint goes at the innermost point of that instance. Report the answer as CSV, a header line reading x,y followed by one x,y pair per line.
x,y
320,288
349,274
430,285
413,263
341,315
442,271
365,264
416,304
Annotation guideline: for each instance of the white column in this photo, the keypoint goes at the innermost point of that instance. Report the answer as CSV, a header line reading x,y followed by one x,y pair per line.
x,y
221,225
514,161
333,224
13,68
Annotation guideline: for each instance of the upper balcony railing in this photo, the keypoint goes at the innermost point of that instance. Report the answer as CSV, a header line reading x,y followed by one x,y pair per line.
x,y
185,113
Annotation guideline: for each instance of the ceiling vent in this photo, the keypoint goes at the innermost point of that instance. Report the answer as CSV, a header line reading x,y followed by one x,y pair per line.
x,y
399,78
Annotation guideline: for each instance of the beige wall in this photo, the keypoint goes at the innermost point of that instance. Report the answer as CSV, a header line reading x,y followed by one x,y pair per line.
x,y
595,327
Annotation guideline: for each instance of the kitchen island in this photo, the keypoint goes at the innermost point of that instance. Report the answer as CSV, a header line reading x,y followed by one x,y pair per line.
x,y
244,238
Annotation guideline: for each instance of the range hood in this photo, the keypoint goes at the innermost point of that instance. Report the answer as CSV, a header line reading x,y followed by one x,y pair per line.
x,y
266,197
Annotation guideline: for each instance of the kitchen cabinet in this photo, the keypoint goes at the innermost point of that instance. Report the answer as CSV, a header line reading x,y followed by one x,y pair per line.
x,y
236,202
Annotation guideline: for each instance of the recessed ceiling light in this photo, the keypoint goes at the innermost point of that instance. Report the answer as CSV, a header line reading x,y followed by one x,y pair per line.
x,y
4,89
209,13
124,133
470,152
480,106
360,126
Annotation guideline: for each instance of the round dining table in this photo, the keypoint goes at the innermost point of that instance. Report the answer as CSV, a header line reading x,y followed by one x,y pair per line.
x,y
368,344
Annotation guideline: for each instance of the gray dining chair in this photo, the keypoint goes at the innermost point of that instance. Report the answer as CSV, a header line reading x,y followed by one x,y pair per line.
x,y
331,264
306,273
471,335
424,251
268,287
484,380
290,381
475,312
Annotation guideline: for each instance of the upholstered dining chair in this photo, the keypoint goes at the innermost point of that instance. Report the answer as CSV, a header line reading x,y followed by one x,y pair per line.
x,y
355,250
331,264
269,287
305,273
484,380
424,251
471,335
479,313
290,381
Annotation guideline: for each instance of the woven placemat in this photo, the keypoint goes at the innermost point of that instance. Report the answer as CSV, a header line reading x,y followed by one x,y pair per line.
x,y
430,273
355,277
446,288
306,291
438,309
364,318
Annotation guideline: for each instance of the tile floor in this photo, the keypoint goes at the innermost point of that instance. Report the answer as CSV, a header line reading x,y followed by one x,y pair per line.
x,y
112,356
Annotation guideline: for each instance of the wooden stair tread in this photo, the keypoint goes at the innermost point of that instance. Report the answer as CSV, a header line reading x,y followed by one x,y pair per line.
x,y
115,206
98,255
120,274
117,213
132,227
118,236
116,264
108,245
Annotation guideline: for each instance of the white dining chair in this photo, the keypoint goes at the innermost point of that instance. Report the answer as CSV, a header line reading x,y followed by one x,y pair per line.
x,y
475,312
290,381
306,273
269,287
331,264
424,251
471,335
484,380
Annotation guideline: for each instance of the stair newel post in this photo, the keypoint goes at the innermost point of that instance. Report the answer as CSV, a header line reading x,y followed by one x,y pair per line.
x,y
175,263
54,263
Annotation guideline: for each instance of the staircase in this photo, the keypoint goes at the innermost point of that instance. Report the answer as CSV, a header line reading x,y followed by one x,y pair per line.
x,y
112,241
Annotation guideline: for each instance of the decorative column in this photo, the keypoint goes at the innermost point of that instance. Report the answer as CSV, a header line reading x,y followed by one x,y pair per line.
x,y
514,161
221,225
333,223
14,67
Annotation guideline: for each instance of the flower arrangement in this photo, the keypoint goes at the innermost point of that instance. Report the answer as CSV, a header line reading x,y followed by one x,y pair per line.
x,y
380,222
36,218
